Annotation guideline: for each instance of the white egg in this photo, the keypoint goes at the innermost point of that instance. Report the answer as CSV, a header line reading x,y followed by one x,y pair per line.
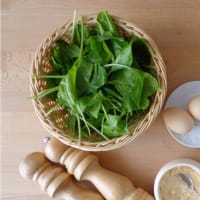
x,y
194,107
178,120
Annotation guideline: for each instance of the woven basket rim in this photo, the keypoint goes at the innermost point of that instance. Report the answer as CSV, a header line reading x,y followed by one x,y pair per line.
x,y
145,122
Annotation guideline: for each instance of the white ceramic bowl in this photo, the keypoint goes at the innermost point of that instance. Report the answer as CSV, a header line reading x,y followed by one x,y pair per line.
x,y
176,163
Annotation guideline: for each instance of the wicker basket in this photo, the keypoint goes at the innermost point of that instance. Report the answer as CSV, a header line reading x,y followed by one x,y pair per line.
x,y
54,124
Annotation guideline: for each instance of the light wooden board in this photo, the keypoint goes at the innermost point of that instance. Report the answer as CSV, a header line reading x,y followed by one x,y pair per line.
x,y
173,24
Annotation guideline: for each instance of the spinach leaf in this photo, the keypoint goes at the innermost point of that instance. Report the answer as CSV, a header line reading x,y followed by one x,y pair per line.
x,y
106,24
98,51
114,126
98,78
77,34
116,44
125,56
56,61
129,84
67,93
150,86
69,50
141,52
63,56
90,77
84,73
91,104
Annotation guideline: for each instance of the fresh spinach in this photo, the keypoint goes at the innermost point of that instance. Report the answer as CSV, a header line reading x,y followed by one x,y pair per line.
x,y
125,57
98,52
116,44
101,78
115,126
76,38
90,77
67,93
91,104
150,86
129,84
106,25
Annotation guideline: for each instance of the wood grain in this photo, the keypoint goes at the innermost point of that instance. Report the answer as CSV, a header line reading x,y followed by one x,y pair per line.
x,y
173,24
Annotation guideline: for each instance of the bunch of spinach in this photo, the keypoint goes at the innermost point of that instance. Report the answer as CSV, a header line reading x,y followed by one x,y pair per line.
x,y
100,78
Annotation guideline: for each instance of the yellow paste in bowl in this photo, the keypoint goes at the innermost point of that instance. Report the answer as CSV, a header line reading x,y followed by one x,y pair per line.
x,y
172,186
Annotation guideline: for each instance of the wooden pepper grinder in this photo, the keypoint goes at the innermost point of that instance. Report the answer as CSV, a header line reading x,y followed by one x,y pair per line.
x,y
53,179
85,166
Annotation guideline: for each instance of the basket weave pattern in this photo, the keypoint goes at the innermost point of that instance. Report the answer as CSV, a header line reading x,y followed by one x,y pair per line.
x,y
54,123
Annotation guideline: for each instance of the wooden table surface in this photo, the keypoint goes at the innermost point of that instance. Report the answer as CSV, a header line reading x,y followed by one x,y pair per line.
x,y
175,27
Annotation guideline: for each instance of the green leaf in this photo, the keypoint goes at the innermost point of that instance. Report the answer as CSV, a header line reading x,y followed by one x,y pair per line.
x,y
116,44
91,104
129,84
84,73
90,78
69,50
135,86
67,94
106,24
98,78
114,126
78,34
141,52
125,57
56,60
150,86
98,51
63,56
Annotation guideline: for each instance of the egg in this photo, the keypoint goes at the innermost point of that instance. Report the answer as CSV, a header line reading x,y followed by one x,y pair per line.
x,y
178,120
194,107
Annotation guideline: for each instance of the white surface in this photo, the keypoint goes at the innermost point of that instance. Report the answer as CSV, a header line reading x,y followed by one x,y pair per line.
x,y
176,163
180,98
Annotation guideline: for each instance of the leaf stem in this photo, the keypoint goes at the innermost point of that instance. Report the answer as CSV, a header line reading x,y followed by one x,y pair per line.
x,y
73,24
104,110
51,110
81,45
100,27
115,108
102,124
47,76
45,92
79,129
84,120
117,65
97,131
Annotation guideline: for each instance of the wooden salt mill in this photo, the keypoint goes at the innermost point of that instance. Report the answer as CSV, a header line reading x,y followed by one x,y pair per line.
x,y
85,166
53,179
